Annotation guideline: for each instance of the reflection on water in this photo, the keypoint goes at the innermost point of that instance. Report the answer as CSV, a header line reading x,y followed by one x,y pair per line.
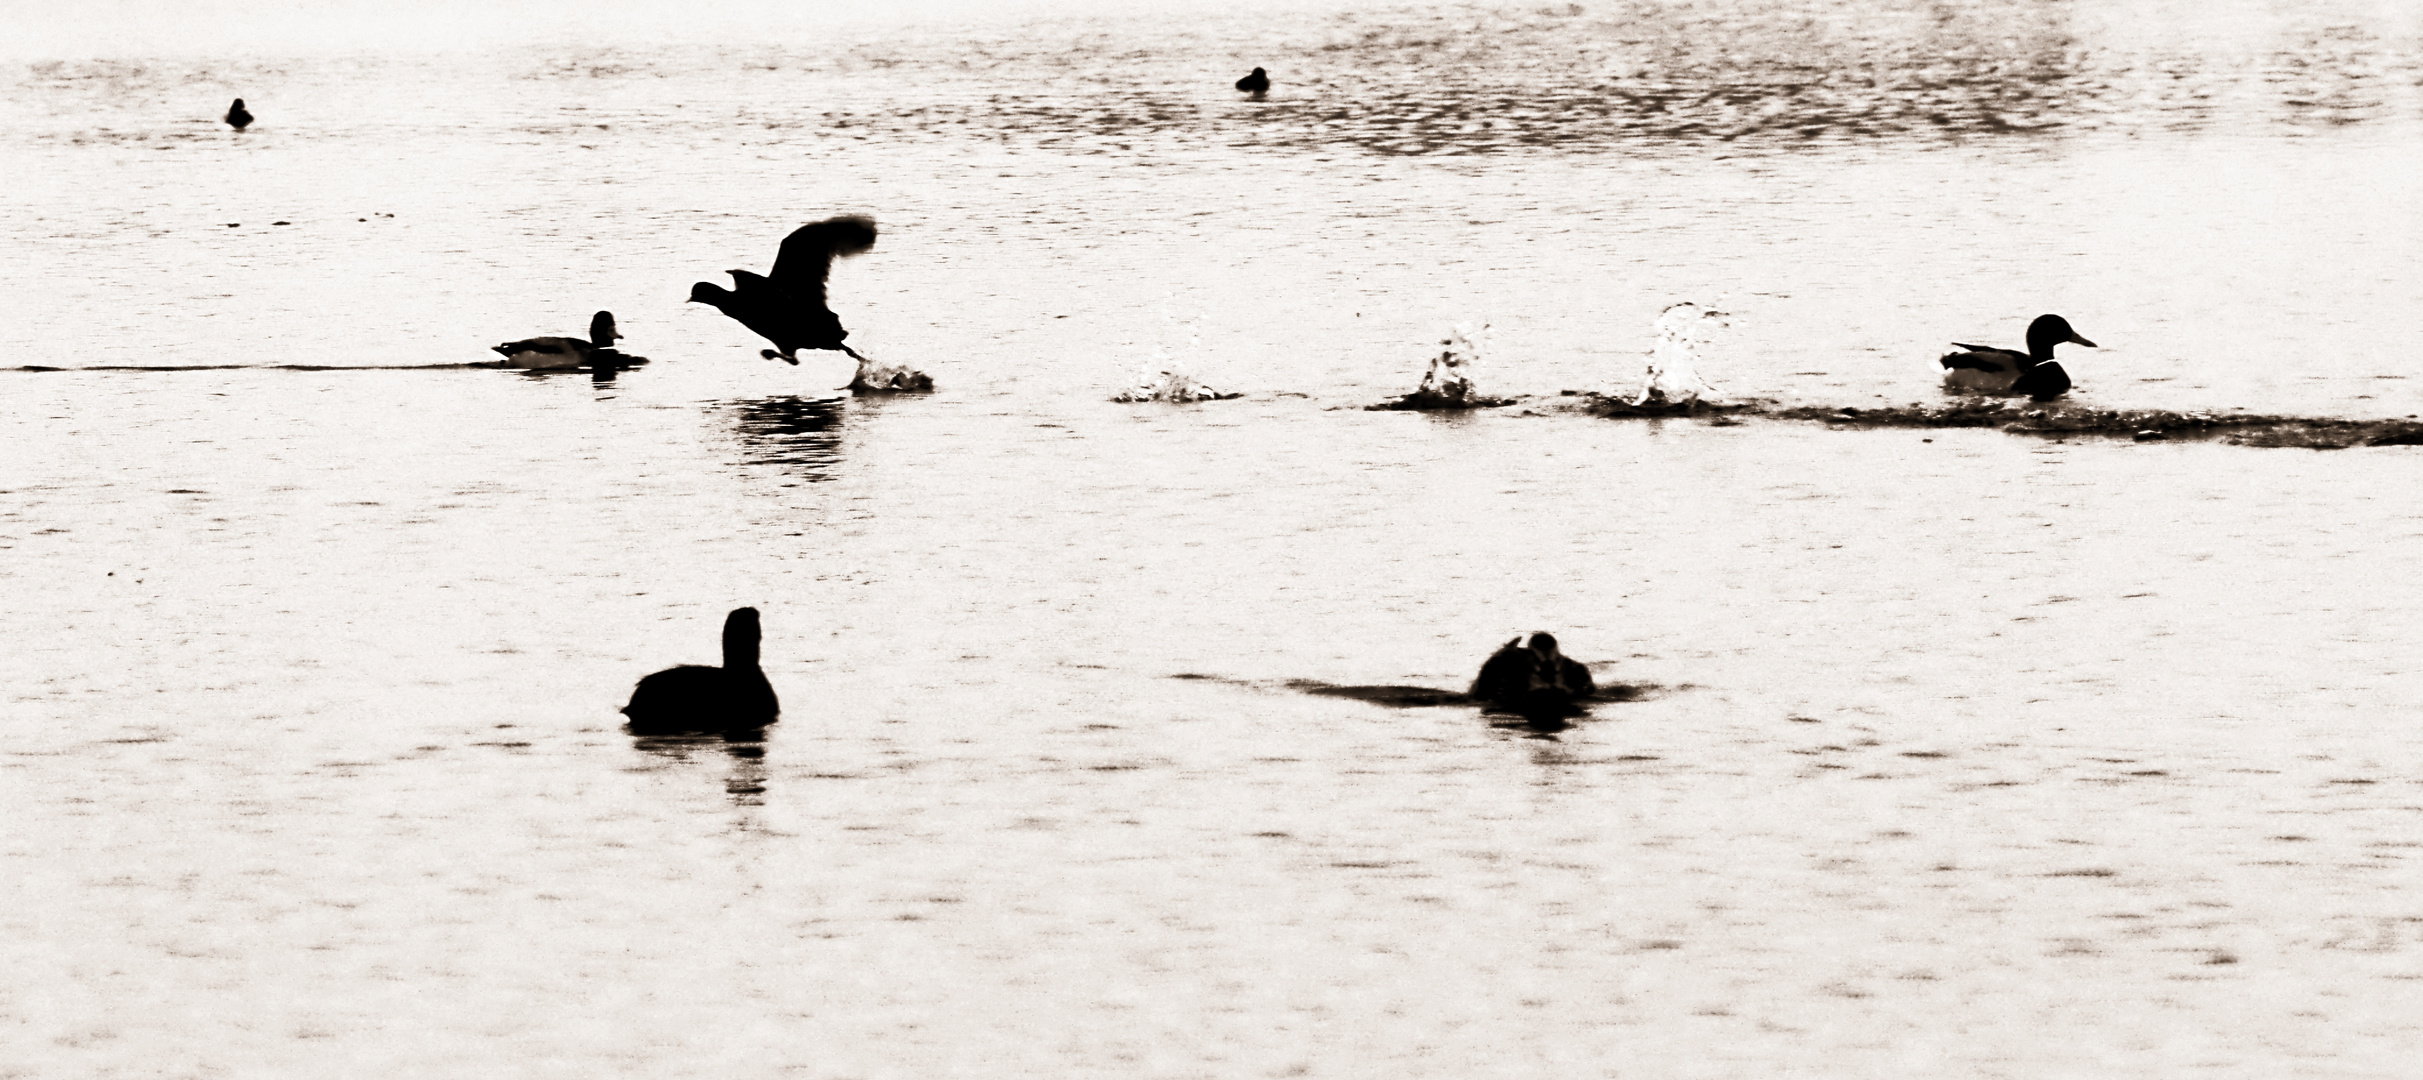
x,y
800,435
1456,81
745,783
1613,78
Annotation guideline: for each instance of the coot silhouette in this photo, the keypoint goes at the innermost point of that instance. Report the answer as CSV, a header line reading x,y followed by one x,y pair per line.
x,y
562,353
237,118
1535,679
1256,84
2009,371
735,696
788,307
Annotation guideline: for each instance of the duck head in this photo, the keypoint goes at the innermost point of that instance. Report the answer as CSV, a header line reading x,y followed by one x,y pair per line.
x,y
601,330
1543,645
707,292
2048,331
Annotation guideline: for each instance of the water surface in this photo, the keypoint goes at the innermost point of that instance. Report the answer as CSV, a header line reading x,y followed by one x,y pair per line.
x,y
1960,754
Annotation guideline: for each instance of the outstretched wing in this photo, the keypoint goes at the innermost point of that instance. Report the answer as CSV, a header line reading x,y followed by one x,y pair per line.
x,y
807,254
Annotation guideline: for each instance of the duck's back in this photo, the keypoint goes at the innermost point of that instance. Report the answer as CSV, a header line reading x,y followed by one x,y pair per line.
x,y
1979,368
697,698
541,353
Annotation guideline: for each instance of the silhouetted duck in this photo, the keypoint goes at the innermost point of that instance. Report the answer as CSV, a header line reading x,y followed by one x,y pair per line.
x,y
788,308
562,353
735,696
1256,84
237,118
1990,370
1535,679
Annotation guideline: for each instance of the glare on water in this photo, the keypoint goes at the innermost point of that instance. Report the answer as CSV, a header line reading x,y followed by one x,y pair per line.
x,y
1952,752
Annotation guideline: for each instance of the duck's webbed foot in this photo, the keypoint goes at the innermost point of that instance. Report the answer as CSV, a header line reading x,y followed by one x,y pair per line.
x,y
784,357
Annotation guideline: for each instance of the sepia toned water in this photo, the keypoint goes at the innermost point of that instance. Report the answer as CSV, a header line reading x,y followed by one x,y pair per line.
x,y
1956,753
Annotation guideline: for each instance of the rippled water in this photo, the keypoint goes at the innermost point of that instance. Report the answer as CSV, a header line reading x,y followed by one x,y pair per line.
x,y
1956,753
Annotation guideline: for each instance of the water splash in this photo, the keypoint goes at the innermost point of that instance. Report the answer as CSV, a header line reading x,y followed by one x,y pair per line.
x,y
1672,375
875,376
1449,382
1169,375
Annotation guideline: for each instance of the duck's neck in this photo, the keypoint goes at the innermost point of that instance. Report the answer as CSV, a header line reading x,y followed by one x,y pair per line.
x,y
2040,349
740,648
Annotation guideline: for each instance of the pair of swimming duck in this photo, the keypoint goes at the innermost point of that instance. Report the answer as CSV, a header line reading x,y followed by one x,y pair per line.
x,y
1531,678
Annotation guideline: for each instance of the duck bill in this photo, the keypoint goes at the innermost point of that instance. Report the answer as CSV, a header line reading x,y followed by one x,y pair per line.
x,y
2077,339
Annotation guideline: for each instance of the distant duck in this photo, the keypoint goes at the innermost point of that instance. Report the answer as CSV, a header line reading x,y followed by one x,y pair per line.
x,y
1256,84
788,308
692,698
564,354
237,118
1981,368
1533,679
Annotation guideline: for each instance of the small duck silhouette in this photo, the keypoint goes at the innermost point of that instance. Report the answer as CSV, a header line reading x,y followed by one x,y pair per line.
x,y
1256,84
1985,369
1533,679
694,698
788,307
237,118
563,354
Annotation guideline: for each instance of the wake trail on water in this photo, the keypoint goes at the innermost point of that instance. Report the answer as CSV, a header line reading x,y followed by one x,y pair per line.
x,y
39,368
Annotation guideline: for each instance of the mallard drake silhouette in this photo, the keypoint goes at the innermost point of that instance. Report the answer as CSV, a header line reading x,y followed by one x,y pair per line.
x,y
788,307
1256,84
1983,368
562,353
237,118
1533,679
691,697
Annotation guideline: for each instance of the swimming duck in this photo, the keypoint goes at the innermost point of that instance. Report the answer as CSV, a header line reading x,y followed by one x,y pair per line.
x,y
1256,84
692,697
1533,679
788,308
562,353
2007,371
237,118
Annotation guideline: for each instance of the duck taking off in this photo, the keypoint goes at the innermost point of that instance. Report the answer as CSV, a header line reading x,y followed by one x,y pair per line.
x,y
788,307
1984,369
1533,679
695,698
1256,84
237,118
563,354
